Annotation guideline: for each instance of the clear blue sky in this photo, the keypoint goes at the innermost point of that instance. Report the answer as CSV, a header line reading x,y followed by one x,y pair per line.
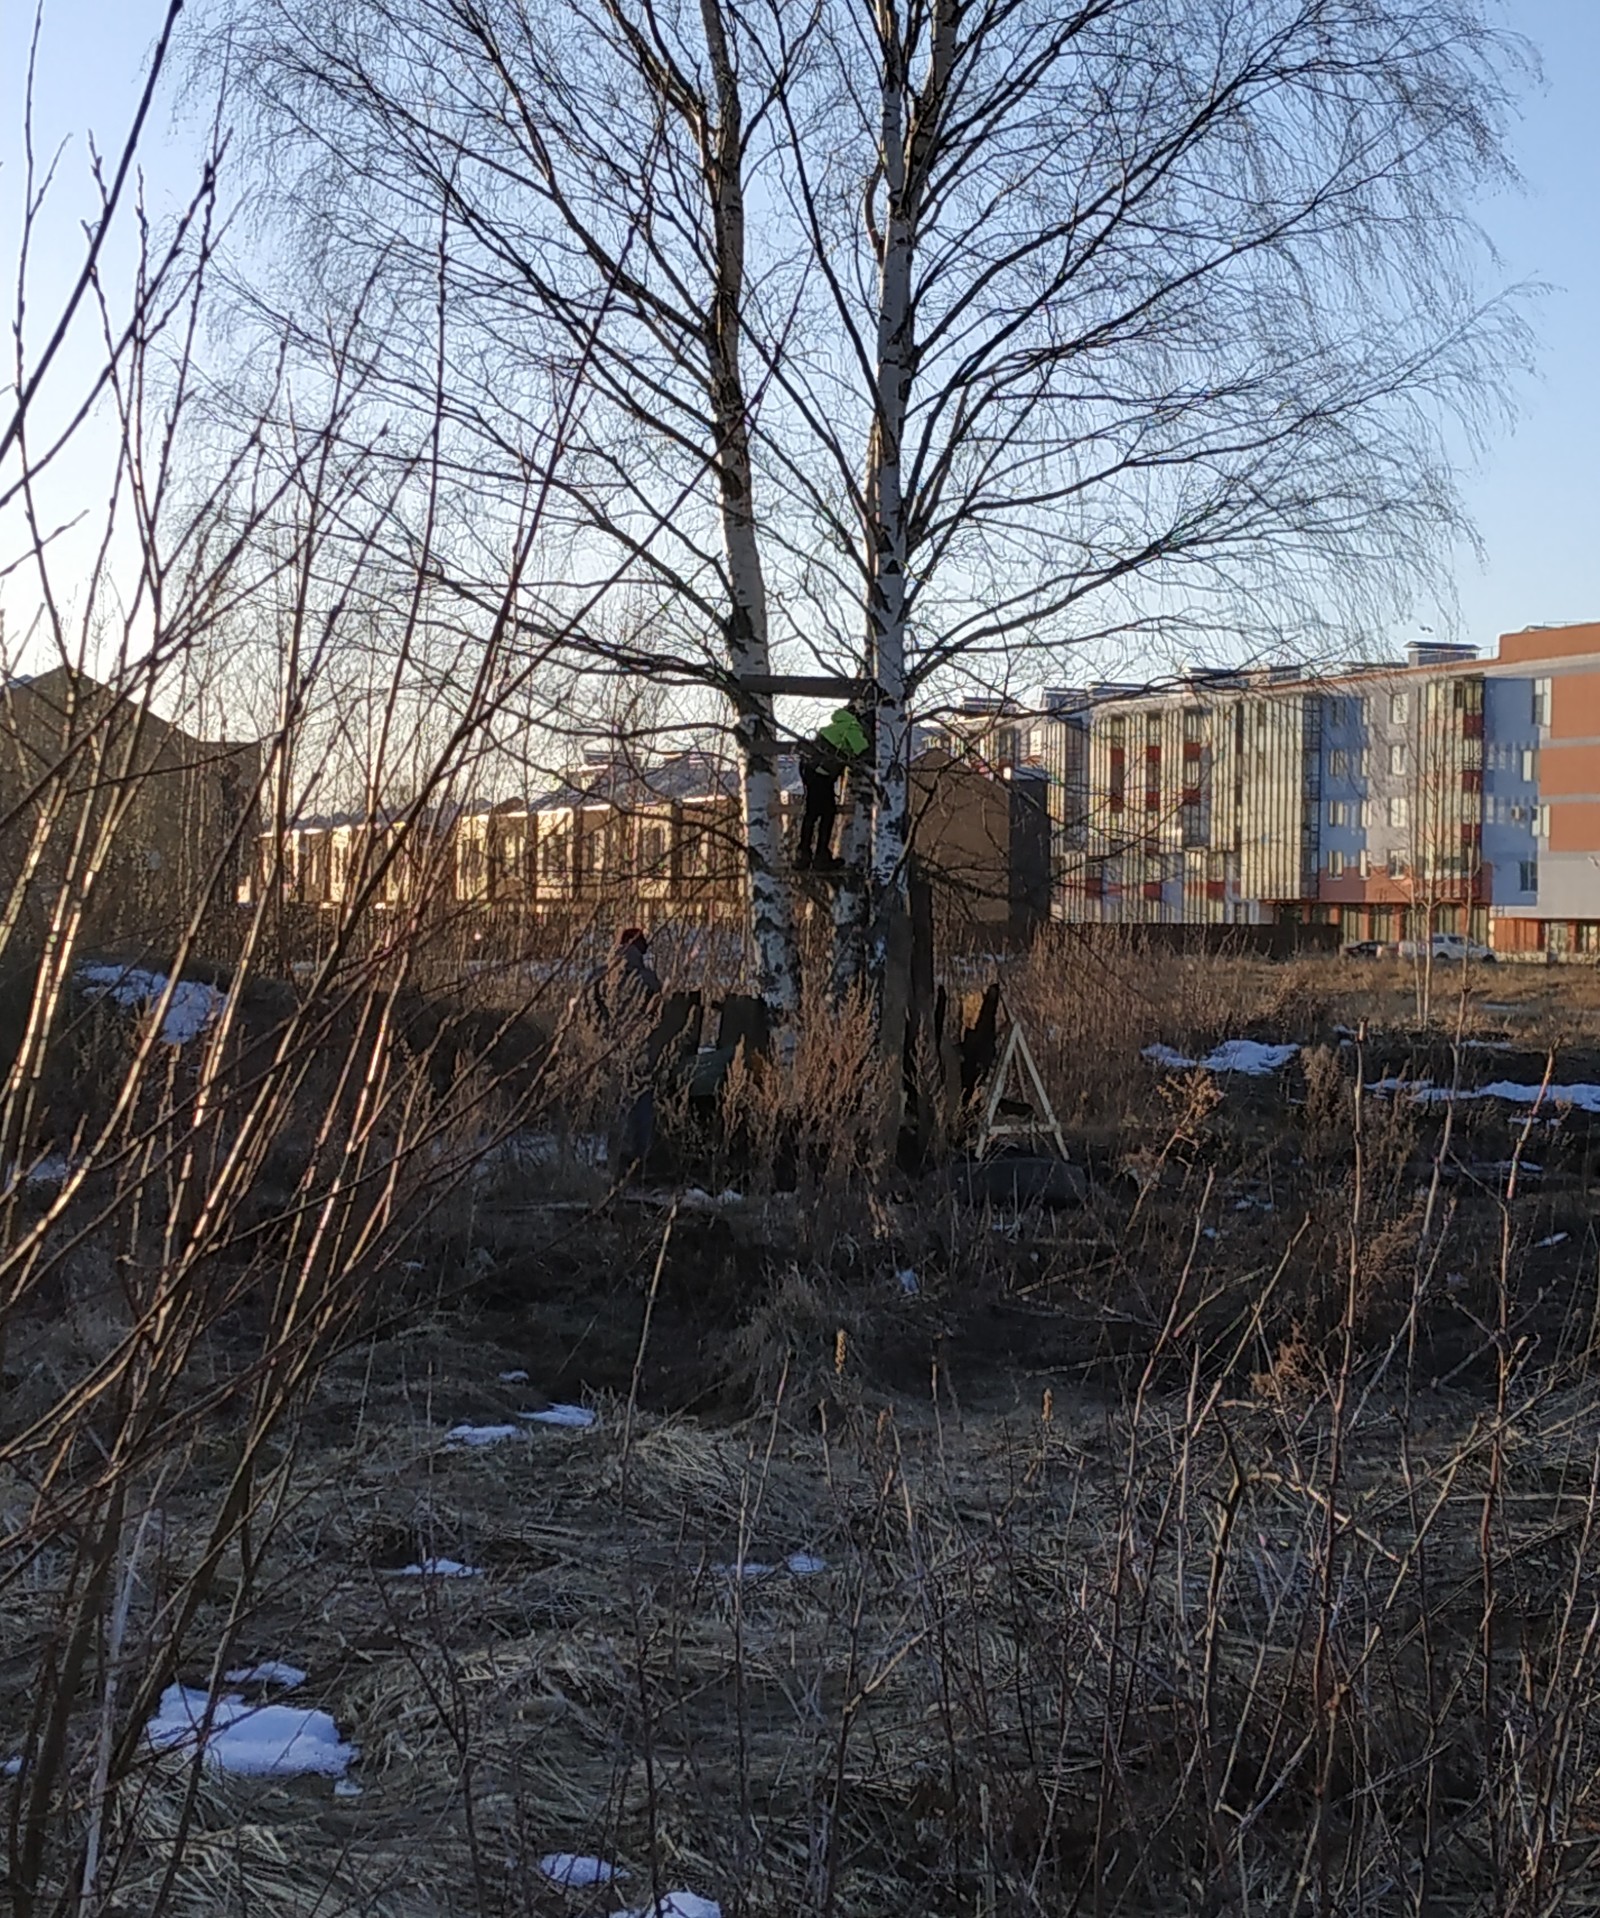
x,y
1534,499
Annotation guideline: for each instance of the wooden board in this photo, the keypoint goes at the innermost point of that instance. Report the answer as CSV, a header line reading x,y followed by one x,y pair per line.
x,y
805,685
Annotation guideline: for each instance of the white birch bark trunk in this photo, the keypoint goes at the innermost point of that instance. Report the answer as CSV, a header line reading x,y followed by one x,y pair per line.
x,y
909,135
749,652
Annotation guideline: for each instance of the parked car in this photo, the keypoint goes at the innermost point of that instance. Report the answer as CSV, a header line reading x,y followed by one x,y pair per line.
x,y
1364,949
1452,948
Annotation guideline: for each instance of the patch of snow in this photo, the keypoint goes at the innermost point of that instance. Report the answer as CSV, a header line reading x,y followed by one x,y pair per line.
x,y
346,1788
1208,1232
195,1005
1249,1057
1581,1097
676,1904
513,1378
1418,1091
254,1741
574,1869
1487,1045
271,1671
578,1417
544,1148
439,1568
11,1767
1555,1238
466,1437
694,1200
908,1283
801,1564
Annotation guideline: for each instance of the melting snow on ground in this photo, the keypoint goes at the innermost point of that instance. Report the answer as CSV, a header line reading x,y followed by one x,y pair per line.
x,y
256,1741
439,1568
271,1671
513,1378
52,1170
676,1904
573,1869
694,1200
1555,1238
10,1767
1248,1056
577,1416
194,1006
465,1437
1583,1098
801,1564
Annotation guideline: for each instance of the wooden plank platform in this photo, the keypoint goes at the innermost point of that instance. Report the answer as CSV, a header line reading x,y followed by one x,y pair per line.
x,y
805,685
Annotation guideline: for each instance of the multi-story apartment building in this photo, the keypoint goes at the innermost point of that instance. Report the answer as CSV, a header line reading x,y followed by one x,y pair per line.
x,y
1445,792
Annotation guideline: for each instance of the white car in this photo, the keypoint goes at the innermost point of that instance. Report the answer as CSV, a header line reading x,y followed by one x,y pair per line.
x,y
1451,947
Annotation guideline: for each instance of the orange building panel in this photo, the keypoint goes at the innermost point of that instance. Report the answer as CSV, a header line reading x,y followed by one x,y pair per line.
x,y
1516,935
1566,770
1560,642
1575,826
1575,707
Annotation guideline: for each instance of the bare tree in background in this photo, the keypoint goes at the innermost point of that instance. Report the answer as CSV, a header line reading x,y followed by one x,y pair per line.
x,y
519,180
1131,309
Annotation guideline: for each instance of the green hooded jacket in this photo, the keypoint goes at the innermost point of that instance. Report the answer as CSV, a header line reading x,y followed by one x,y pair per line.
x,y
844,735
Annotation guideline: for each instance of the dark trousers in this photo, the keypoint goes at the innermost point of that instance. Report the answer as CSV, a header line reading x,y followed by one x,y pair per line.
x,y
822,808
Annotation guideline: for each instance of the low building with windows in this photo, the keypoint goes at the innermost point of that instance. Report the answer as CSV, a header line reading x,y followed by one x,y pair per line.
x,y
662,841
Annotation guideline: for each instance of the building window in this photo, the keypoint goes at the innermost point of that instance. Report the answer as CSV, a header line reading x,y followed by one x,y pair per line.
x,y
1152,729
652,848
1528,875
1339,765
1541,702
1363,814
1399,811
1194,723
553,855
1335,865
1338,813
1397,757
1190,825
1116,730
1530,766
1541,822
1399,865
1399,708
1364,863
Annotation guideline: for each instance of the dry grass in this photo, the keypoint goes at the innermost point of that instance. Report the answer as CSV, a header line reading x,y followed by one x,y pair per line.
x,y
1067,1650
1225,1544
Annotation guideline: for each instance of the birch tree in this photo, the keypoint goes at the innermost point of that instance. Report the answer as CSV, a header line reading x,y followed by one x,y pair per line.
x,y
539,177
1136,310
1049,321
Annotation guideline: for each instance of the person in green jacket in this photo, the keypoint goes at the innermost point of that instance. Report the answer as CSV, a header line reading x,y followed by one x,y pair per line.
x,y
836,747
